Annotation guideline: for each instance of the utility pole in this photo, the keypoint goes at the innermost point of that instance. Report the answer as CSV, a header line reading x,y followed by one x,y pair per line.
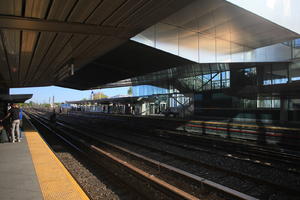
x,y
92,95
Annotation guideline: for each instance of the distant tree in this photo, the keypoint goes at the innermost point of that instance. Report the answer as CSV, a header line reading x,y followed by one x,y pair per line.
x,y
100,95
84,99
129,91
46,105
29,104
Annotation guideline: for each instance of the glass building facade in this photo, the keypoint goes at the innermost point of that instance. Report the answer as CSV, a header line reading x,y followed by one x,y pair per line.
x,y
240,63
231,85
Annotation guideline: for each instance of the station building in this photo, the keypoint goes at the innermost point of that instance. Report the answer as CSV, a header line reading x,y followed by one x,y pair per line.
x,y
190,58
228,60
223,58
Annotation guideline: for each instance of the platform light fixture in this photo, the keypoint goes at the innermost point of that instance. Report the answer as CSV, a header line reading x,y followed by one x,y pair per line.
x,y
72,69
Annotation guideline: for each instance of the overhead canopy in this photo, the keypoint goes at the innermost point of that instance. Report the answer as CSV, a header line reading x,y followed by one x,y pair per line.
x,y
15,98
282,12
39,40
43,42
216,31
107,100
129,60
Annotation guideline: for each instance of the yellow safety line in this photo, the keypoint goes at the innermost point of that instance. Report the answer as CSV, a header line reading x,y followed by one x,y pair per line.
x,y
54,179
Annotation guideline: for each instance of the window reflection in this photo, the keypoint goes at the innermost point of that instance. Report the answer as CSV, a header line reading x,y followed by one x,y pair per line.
x,y
275,74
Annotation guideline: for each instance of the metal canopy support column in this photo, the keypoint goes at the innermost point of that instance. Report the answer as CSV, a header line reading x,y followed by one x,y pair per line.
x,y
3,105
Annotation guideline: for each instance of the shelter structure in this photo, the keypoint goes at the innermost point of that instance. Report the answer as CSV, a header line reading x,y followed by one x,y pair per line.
x,y
211,53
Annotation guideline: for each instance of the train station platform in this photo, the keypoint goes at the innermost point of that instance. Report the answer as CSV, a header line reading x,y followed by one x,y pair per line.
x,y
30,170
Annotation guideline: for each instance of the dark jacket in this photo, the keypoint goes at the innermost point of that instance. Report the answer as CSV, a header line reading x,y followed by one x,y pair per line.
x,y
14,113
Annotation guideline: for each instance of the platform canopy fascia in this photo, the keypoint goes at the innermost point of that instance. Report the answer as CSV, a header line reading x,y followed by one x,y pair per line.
x,y
40,41
45,43
15,98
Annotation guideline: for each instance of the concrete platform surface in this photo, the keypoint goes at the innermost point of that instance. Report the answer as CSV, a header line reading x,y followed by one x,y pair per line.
x,y
29,170
18,178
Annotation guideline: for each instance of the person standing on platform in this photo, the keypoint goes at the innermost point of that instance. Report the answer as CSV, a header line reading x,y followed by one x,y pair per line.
x,y
14,114
21,122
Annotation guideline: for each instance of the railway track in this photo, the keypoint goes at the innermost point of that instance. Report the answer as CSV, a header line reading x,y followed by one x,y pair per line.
x,y
259,154
244,176
96,169
192,161
170,191
243,150
285,138
231,194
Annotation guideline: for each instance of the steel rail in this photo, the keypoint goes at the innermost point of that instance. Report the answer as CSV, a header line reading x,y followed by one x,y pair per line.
x,y
181,157
202,181
164,186
201,121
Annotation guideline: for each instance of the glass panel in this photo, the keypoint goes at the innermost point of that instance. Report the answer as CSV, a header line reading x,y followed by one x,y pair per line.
x,y
206,78
223,51
267,75
296,49
198,83
261,54
143,90
269,9
250,71
146,37
276,103
188,45
206,81
264,102
278,52
167,38
207,49
268,102
297,43
295,71
216,81
226,83
237,54
248,103
249,56
225,79
279,73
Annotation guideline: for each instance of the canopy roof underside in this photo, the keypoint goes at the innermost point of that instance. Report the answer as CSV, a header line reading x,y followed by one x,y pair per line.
x,y
65,42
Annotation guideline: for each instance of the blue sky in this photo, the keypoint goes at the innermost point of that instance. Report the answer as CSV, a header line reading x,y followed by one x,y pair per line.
x,y
42,94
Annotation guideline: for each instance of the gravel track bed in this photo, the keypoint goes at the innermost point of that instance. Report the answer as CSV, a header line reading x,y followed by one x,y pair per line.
x,y
246,168
219,149
97,181
167,125
188,186
252,169
216,176
181,182
242,150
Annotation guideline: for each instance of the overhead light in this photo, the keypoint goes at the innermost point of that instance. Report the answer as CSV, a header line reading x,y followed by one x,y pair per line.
x,y
72,69
65,71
